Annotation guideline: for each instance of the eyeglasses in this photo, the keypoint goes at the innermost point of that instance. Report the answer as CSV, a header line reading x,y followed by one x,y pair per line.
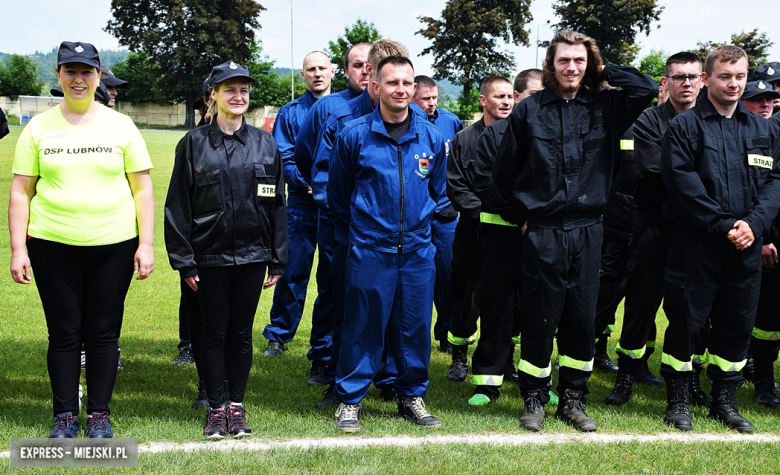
x,y
680,79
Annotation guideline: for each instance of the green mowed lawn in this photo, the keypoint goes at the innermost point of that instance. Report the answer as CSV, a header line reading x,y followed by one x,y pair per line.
x,y
152,397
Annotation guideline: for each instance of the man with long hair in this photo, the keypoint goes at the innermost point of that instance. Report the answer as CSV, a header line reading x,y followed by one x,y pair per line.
x,y
554,166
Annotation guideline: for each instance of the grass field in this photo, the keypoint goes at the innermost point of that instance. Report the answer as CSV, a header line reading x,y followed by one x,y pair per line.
x,y
152,397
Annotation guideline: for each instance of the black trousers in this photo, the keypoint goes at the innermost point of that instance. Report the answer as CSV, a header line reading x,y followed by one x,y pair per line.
x,y
185,315
500,316
560,279
612,282
648,250
465,282
709,279
765,342
83,290
228,299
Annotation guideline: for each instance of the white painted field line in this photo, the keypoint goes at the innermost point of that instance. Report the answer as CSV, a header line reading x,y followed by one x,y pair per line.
x,y
406,441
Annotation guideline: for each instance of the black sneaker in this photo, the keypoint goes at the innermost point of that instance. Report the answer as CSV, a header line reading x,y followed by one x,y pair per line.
x,y
66,426
119,364
348,417
274,349
571,411
215,428
460,364
185,356
533,413
602,362
201,400
317,376
328,399
236,421
99,426
413,409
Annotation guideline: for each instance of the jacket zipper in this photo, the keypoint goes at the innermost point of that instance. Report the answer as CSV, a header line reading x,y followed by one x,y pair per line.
x,y
401,179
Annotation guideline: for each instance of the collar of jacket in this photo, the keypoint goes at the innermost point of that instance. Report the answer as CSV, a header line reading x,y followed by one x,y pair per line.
x,y
549,95
308,99
706,109
378,124
218,137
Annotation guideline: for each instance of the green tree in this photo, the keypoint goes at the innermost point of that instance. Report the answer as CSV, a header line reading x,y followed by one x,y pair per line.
x,y
186,38
142,73
654,64
360,32
755,44
19,78
464,41
271,89
613,23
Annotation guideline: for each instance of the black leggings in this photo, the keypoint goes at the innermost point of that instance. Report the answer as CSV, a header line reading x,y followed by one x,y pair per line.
x,y
83,290
228,302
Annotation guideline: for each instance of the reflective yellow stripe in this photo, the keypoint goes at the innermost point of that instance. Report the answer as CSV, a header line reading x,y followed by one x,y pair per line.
x,y
766,335
633,354
534,371
487,379
725,365
494,219
570,362
626,144
611,328
516,340
700,359
458,341
676,364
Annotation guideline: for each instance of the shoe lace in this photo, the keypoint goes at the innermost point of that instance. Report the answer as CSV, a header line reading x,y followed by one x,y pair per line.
x,y
99,422
681,401
533,405
349,412
215,418
624,380
63,422
418,407
575,405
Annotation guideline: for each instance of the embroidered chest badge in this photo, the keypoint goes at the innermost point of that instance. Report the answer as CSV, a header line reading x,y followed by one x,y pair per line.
x,y
422,165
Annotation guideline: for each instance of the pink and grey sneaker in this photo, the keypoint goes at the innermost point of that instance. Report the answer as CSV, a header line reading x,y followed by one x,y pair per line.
x,y
215,423
236,421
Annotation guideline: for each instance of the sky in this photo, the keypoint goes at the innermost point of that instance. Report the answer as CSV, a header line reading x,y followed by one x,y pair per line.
x,y
40,25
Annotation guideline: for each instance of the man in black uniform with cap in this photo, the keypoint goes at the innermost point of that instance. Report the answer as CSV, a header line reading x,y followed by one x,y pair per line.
x,y
719,167
770,73
554,167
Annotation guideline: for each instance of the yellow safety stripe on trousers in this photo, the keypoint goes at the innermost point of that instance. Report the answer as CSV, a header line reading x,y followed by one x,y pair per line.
x,y
570,362
611,328
633,354
700,359
534,371
725,365
458,341
676,364
766,335
487,379
626,144
650,344
494,219
516,340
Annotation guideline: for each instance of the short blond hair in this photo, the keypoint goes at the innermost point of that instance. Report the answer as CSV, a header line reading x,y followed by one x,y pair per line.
x,y
729,53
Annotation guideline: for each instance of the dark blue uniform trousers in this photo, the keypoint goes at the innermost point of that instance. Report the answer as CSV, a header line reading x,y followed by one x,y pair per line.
x,y
303,222
710,279
388,302
442,235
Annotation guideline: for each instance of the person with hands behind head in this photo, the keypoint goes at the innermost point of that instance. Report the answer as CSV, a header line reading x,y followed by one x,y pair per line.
x,y
82,204
225,225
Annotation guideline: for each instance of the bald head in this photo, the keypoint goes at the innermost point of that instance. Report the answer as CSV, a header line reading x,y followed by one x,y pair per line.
x,y
317,73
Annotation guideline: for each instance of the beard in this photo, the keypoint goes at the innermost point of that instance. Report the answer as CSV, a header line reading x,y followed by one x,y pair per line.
x,y
561,89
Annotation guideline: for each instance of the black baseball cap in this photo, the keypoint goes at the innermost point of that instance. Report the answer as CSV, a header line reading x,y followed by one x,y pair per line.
x,y
769,72
109,79
101,94
228,70
757,88
56,91
83,53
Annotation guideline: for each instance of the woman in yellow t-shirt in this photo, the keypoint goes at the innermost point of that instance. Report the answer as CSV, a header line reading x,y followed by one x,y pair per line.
x,y
82,205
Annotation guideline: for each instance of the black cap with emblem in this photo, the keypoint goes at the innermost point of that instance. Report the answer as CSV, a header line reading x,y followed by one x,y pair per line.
x,y
109,79
757,88
83,53
769,72
228,70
